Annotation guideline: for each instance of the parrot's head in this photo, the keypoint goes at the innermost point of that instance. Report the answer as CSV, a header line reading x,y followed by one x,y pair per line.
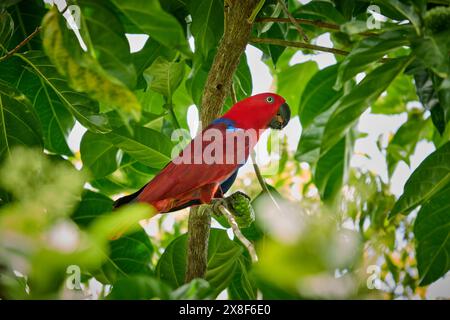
x,y
261,111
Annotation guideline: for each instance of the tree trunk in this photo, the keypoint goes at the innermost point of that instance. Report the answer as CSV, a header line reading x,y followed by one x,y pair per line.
x,y
234,40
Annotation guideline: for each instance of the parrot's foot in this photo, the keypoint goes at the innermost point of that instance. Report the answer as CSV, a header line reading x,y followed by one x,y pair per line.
x,y
239,205
216,203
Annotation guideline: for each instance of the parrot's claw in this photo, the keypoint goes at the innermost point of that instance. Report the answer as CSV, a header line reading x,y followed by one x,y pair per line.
x,y
215,203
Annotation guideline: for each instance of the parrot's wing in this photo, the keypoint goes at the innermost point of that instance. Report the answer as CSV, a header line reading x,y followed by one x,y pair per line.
x,y
205,161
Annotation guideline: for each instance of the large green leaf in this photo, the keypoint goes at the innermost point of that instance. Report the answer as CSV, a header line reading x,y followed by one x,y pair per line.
x,y
225,257
145,57
369,51
130,254
404,142
24,72
434,95
314,112
242,286
331,169
292,80
105,38
164,76
19,124
352,105
150,18
432,234
99,154
430,177
83,70
207,24
91,206
145,145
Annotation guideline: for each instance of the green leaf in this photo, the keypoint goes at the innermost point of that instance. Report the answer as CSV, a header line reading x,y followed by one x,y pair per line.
x,y
99,154
242,79
139,288
164,76
131,254
224,257
145,145
352,105
434,95
331,169
56,120
27,17
430,177
404,142
80,106
105,39
242,286
314,112
150,18
145,57
433,52
292,81
91,206
197,289
19,124
323,10
432,234
6,29
398,94
207,24
368,51
82,70
407,11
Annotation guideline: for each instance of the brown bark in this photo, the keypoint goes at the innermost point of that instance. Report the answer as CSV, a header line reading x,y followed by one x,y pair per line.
x,y
234,40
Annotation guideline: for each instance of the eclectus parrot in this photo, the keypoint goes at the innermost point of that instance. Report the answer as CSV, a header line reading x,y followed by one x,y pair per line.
x,y
208,165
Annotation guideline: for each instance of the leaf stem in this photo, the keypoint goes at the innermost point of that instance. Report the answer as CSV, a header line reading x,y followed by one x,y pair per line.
x,y
230,218
293,20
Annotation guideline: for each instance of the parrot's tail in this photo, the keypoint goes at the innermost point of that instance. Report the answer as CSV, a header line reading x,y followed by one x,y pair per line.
x,y
127,199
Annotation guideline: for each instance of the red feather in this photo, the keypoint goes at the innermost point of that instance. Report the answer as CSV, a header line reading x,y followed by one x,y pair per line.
x,y
179,183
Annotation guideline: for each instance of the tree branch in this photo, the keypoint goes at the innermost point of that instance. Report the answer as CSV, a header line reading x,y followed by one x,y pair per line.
x,y
292,19
238,233
20,45
296,44
316,23
234,40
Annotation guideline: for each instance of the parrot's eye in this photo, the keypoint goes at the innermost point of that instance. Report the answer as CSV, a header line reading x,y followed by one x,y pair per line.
x,y
269,99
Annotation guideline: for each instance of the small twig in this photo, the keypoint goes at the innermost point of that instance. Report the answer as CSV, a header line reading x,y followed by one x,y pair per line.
x,y
316,23
20,45
296,44
292,19
238,233
262,182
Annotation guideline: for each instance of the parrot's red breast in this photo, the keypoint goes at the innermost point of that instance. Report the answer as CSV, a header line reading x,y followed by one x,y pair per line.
x,y
195,176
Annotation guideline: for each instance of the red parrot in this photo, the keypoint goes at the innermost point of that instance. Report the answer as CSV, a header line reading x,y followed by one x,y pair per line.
x,y
208,165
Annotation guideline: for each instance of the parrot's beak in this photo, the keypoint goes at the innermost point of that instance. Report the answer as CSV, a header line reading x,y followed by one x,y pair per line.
x,y
282,117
